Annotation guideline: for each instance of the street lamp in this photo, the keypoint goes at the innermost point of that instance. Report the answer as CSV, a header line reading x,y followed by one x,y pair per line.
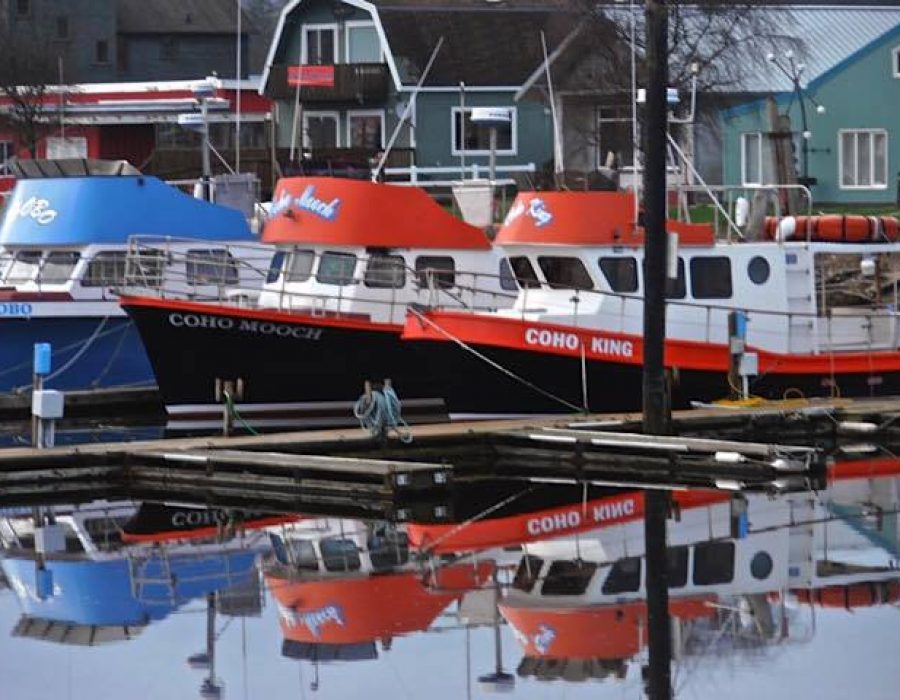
x,y
793,71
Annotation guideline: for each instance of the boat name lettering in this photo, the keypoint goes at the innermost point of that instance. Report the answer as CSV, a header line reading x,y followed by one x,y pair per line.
x,y
307,202
614,511
552,339
536,209
314,620
36,208
282,330
201,321
15,308
199,517
543,639
552,523
612,346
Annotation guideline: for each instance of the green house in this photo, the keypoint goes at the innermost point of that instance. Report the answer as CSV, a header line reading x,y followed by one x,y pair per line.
x,y
344,73
843,108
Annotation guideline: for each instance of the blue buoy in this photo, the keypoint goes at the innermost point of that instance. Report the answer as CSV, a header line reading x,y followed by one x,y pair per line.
x,y
42,358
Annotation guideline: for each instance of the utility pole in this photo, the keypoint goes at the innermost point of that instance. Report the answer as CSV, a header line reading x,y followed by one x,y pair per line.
x,y
655,396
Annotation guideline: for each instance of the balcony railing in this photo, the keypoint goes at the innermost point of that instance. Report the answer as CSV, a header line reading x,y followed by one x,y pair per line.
x,y
362,83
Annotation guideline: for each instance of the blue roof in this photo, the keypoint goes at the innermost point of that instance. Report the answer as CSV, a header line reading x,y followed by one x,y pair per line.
x,y
84,210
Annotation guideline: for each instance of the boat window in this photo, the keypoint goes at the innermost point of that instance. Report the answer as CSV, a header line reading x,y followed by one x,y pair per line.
x,y
388,549
507,278
145,268
211,266
300,266
624,576
758,269
567,273
340,555
711,278
24,266
678,566
675,288
524,272
568,577
275,267
303,555
105,532
713,563
336,268
386,272
58,267
620,273
105,269
527,573
437,268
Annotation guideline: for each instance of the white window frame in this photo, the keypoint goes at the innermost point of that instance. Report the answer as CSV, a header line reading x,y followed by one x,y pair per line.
x,y
364,113
895,62
759,156
304,44
887,155
514,126
308,114
356,24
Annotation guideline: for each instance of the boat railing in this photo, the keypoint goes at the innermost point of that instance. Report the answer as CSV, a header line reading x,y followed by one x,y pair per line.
x,y
728,223
245,279
869,328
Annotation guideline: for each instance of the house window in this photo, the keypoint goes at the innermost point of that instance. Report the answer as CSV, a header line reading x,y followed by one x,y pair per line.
x,y
476,139
101,52
361,42
319,44
320,130
895,61
62,27
365,129
7,152
862,158
614,135
751,159
168,49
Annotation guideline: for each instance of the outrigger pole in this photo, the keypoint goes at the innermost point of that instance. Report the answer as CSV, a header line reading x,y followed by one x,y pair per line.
x,y
657,411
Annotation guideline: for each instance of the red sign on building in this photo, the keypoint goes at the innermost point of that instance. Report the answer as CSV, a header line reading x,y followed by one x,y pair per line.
x,y
310,76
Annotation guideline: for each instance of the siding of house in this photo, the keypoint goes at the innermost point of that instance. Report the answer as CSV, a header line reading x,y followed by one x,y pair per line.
x,y
178,56
862,93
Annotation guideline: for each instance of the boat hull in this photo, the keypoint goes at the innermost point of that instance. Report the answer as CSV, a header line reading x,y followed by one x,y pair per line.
x,y
320,364
88,352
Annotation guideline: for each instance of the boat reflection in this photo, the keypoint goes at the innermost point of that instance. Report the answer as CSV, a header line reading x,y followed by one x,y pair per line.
x,y
79,581
746,572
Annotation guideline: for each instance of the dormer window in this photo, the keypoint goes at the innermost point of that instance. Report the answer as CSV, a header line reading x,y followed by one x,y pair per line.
x,y
895,62
319,44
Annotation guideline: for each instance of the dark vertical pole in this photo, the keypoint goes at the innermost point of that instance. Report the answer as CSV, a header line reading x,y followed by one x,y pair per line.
x,y
655,399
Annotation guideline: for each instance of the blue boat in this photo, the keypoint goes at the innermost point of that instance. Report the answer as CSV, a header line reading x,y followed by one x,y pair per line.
x,y
64,237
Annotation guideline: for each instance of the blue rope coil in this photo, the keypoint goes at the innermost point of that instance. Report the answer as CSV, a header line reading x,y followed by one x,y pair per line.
x,y
379,411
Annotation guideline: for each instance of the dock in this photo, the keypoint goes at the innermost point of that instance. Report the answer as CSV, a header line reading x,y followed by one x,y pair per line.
x,y
347,472
95,403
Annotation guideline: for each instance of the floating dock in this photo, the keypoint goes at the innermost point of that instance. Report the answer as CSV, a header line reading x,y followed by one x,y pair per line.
x,y
348,472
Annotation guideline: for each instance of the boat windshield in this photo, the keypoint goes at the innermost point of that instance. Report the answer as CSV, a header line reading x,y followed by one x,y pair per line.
x,y
58,267
24,267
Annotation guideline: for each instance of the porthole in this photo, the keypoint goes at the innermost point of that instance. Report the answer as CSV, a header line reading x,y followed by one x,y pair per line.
x,y
758,270
761,565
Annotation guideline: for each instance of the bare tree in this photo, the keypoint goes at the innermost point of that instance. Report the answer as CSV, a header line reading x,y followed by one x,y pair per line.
x,y
26,71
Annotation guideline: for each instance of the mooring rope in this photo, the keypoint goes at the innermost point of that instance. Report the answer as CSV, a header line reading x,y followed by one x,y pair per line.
x,y
379,412
494,364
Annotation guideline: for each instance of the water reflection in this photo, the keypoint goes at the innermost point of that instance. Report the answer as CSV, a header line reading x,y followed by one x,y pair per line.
x,y
342,607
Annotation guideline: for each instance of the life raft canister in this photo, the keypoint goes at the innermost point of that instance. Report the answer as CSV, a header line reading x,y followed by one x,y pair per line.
x,y
833,228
